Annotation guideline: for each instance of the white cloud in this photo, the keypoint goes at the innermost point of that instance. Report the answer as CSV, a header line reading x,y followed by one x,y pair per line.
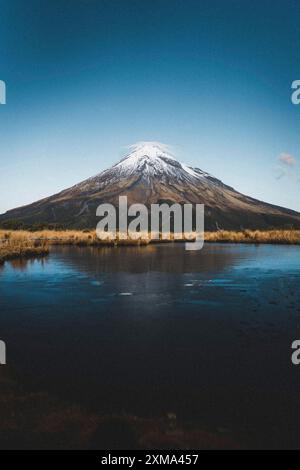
x,y
287,159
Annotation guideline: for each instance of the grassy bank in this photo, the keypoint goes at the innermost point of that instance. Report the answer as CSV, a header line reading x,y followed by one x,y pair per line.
x,y
287,237
15,245
19,243
64,237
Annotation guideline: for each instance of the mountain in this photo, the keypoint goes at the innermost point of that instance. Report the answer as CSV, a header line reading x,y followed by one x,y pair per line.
x,y
150,174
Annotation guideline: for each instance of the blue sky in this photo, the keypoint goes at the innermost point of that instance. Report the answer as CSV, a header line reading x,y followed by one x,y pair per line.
x,y
86,78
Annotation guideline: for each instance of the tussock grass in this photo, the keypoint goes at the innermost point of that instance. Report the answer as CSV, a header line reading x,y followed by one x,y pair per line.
x,y
287,237
81,238
19,245
25,244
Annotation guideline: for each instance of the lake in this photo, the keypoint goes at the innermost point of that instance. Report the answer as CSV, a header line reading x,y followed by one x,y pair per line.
x,y
154,330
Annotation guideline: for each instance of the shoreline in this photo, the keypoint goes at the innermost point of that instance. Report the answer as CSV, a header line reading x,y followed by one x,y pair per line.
x,y
20,246
25,244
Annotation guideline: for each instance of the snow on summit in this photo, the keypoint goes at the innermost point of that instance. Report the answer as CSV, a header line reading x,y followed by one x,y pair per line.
x,y
152,159
146,161
150,149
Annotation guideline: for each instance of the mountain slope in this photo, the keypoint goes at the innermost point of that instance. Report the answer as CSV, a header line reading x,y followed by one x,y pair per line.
x,y
151,174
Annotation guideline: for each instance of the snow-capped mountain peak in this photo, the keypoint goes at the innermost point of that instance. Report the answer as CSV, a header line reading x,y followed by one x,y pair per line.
x,y
154,159
150,174
147,161
150,149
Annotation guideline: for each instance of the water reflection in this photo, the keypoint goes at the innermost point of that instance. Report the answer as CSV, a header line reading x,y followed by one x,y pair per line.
x,y
156,329
153,258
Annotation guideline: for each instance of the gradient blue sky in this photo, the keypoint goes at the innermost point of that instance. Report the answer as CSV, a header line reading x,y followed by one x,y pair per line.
x,y
85,78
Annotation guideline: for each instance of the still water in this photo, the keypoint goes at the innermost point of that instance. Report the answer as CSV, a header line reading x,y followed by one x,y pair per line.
x,y
153,330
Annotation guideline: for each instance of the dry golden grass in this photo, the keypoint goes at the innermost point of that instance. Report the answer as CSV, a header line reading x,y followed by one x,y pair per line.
x,y
80,238
20,245
288,237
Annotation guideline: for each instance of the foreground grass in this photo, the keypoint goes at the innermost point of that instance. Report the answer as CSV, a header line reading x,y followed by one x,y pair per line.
x,y
288,237
20,245
62,237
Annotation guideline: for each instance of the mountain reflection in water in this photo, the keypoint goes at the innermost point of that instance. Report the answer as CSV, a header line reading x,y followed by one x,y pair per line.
x,y
150,330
